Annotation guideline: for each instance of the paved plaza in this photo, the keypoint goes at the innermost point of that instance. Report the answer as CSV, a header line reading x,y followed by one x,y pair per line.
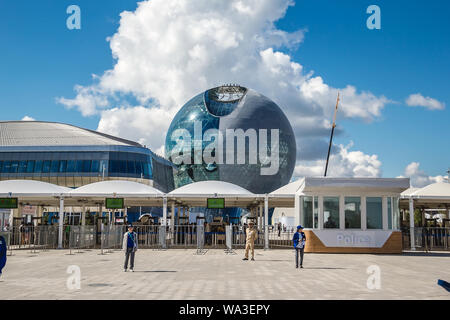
x,y
181,274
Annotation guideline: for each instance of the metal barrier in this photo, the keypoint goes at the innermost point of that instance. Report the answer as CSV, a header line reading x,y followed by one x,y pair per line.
x,y
427,238
33,238
162,237
82,238
111,238
281,238
185,236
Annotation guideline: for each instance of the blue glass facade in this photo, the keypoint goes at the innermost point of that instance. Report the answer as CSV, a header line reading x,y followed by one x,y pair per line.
x,y
52,165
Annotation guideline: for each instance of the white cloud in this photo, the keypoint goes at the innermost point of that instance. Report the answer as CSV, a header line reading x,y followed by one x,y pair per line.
x,y
418,178
168,51
148,124
27,118
87,101
418,100
343,163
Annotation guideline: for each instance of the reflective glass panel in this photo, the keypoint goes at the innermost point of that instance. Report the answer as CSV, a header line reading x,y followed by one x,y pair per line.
x,y
396,214
331,212
131,167
55,166
352,212
95,166
122,167
6,166
22,166
30,166
14,167
307,215
46,166
103,166
86,166
79,166
62,166
71,166
316,212
389,213
374,209
38,166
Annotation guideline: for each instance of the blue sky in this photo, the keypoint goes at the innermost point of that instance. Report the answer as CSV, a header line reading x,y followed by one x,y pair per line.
x,y
41,60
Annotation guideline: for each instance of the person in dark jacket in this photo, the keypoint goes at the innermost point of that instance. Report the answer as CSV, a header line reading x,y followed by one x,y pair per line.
x,y
299,241
129,246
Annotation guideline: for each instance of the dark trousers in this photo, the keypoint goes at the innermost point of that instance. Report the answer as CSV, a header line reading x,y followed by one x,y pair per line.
x,y
129,255
299,254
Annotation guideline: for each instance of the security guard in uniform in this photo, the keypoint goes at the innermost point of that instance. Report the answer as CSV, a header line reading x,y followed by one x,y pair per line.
x,y
252,235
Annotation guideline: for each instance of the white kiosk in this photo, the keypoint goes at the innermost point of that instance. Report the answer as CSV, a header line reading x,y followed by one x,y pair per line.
x,y
348,215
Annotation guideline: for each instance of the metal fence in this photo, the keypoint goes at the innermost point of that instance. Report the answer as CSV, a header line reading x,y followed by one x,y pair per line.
x,y
110,237
33,238
427,238
281,238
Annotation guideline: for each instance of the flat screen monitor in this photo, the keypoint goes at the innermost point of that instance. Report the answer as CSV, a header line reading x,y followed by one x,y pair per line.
x,y
114,203
216,203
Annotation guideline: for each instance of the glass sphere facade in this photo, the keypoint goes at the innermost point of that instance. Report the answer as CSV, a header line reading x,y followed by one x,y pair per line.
x,y
239,110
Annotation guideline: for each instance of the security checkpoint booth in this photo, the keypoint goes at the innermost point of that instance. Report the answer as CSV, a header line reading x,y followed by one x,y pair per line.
x,y
346,215
23,230
219,195
427,233
114,197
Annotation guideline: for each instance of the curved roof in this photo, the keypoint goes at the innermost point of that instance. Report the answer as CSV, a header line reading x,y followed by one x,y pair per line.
x,y
409,192
210,187
30,188
39,133
435,190
116,187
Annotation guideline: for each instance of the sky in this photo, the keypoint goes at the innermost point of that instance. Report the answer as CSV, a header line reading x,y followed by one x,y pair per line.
x,y
137,64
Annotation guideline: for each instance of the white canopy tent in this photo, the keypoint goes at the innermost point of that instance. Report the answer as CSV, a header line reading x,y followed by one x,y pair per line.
x,y
197,193
432,196
32,190
133,193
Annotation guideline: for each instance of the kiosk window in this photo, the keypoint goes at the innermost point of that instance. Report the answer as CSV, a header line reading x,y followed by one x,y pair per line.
x,y
395,214
307,216
374,207
316,212
331,212
389,213
352,212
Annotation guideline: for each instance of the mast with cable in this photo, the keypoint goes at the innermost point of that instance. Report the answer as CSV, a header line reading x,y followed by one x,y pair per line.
x,y
332,133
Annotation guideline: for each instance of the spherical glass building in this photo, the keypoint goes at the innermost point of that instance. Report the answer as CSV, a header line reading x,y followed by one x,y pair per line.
x,y
233,134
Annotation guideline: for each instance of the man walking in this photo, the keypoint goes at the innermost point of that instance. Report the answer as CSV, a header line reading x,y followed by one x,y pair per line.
x,y
252,235
299,240
129,245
